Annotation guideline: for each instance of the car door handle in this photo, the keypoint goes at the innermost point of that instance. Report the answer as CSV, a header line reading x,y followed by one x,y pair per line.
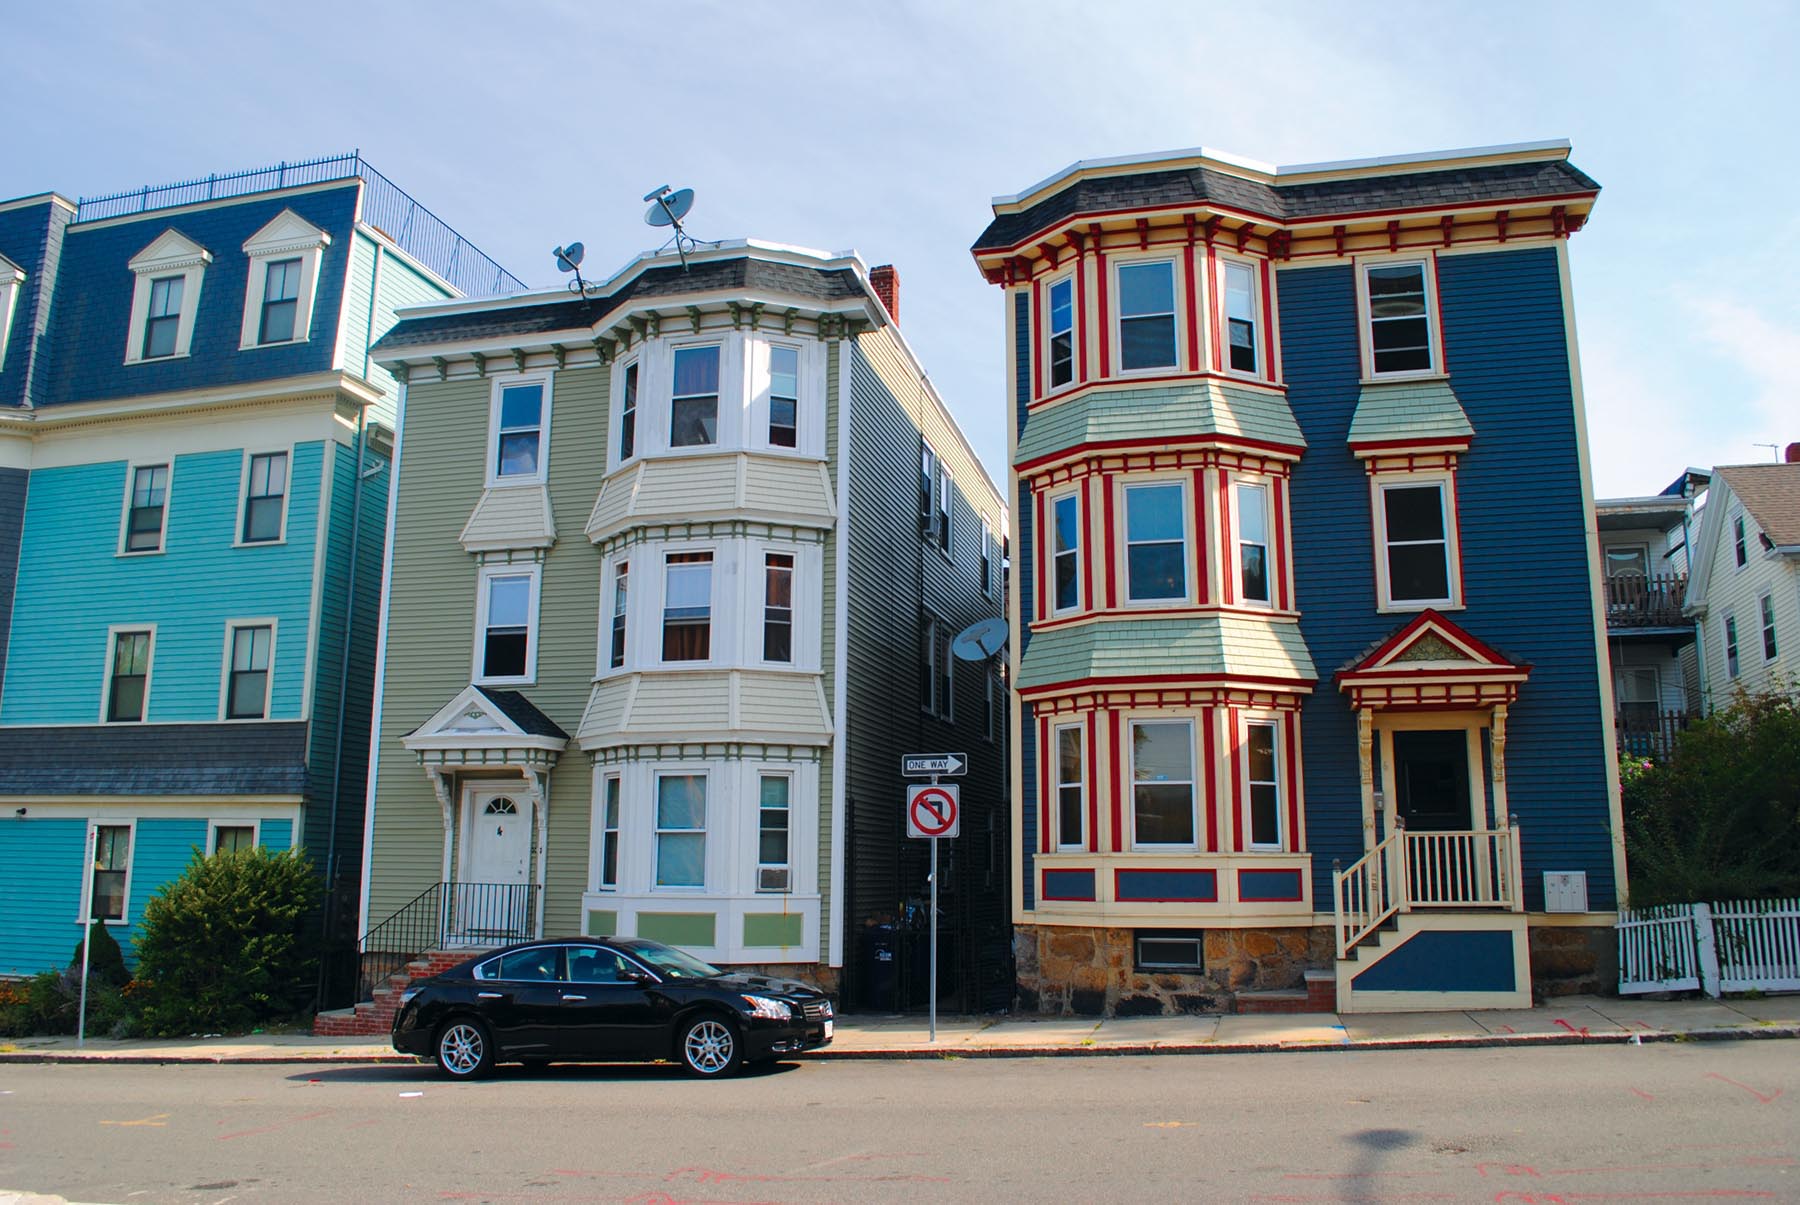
x,y
574,997
490,996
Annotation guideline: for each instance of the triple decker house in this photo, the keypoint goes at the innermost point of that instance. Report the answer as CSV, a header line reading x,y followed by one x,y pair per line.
x,y
194,445
1312,702
677,559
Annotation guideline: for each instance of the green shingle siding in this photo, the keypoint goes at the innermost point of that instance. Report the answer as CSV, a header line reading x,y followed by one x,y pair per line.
x,y
1203,408
1175,647
1415,410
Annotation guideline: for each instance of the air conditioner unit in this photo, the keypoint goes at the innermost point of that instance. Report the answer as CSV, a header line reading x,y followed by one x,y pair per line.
x,y
771,878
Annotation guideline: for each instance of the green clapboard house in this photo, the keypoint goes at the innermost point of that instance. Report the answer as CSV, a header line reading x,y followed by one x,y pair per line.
x,y
676,564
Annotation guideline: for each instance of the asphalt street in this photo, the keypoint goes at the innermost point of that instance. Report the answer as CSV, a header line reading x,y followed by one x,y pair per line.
x,y
1691,1121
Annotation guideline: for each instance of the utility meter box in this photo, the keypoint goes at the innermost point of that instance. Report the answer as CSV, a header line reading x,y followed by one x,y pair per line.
x,y
1565,891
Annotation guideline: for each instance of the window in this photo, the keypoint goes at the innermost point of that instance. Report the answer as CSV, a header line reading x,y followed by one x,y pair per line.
x,y
1166,951
265,497
934,499
621,593
1146,316
687,606
778,607
1731,647
988,577
1253,542
1263,768
520,435
247,681
112,869
681,830
772,870
281,300
1240,317
944,512
1155,543
694,405
784,397
1071,789
1065,552
1416,546
149,497
164,320
628,413
507,607
127,692
609,835
231,838
1766,605
1162,783
927,488
1062,332
1737,540
1639,698
1399,318
936,676
1627,560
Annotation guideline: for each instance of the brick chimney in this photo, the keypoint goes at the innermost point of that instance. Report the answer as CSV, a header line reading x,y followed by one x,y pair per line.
x,y
886,283
1792,456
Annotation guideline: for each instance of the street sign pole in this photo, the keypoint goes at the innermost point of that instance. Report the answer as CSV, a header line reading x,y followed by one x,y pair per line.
x,y
87,933
934,930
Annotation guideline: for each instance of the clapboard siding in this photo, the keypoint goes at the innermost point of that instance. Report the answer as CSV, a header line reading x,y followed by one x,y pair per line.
x,y
13,484
1024,591
40,863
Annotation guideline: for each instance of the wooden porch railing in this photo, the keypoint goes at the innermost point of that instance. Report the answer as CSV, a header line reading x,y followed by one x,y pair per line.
x,y
1634,600
1641,731
1460,869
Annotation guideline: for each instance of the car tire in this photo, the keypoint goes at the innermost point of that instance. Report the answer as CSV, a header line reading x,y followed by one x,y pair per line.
x,y
464,1049
710,1047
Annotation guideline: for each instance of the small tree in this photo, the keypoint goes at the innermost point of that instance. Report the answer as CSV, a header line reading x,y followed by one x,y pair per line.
x,y
224,948
1720,819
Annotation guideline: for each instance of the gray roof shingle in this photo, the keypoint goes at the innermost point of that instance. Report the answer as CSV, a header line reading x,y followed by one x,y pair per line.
x,y
523,712
159,759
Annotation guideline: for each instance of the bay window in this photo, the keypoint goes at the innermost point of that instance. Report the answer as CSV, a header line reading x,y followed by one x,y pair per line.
x,y
1071,789
1155,543
1253,543
1062,332
687,606
774,871
1162,783
784,397
694,400
1147,315
1263,784
1065,553
1240,317
681,830
778,607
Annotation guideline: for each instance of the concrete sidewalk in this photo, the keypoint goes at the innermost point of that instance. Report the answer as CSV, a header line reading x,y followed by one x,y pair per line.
x,y
1571,1020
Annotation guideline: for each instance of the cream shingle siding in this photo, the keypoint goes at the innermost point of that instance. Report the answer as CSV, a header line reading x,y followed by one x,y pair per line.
x,y
738,485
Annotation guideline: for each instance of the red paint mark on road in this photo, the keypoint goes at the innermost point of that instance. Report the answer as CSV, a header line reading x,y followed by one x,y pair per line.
x,y
1355,1175
1639,1092
1509,1029
1760,1098
280,1125
1273,1198
1506,1169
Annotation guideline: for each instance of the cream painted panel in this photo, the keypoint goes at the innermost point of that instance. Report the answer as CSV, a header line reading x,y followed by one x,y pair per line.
x,y
614,502
782,703
606,708
681,703
794,487
680,487
511,516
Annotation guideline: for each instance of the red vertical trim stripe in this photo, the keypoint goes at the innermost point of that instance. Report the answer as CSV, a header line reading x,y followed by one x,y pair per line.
x,y
1093,783
1200,540
1082,326
1101,318
1214,313
1037,339
1208,720
1109,542
1193,309
1118,783
1290,729
1084,494
1267,366
1046,784
1046,557
1233,734
1284,594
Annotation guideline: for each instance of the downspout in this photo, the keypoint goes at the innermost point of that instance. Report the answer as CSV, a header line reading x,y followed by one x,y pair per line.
x,y
1687,543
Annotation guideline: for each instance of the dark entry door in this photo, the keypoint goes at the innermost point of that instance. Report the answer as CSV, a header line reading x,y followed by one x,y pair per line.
x,y
1431,780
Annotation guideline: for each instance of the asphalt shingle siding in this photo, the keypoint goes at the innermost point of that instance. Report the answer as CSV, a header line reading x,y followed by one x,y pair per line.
x,y
162,759
31,237
522,712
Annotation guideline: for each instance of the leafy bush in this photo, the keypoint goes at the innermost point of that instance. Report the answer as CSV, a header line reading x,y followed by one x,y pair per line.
x,y
50,1003
107,964
1721,818
225,947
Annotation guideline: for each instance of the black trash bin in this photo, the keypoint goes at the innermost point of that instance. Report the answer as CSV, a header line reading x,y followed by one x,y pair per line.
x,y
878,969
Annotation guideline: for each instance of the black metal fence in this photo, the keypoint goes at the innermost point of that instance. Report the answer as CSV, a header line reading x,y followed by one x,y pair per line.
x,y
1645,733
446,916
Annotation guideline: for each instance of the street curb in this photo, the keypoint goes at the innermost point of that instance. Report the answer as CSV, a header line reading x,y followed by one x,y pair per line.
x,y
1491,1041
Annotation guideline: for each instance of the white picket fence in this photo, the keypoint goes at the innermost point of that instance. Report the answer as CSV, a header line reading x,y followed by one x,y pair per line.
x,y
1739,946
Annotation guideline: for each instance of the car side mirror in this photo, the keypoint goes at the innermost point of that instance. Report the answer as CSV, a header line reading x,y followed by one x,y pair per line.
x,y
636,976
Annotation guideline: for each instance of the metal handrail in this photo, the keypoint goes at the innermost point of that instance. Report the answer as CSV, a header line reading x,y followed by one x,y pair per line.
x,y
446,915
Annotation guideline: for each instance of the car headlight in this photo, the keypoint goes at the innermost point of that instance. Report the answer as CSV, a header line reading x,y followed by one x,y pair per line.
x,y
406,997
770,1010
826,1005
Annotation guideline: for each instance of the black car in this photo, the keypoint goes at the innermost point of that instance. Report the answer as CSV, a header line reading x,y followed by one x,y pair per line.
x,y
613,1000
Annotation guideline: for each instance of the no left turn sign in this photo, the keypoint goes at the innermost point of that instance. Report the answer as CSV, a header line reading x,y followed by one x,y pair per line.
x,y
932,811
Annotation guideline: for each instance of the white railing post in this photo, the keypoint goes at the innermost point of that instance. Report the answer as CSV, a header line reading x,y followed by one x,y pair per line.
x,y
1338,902
1516,867
1707,946
1399,878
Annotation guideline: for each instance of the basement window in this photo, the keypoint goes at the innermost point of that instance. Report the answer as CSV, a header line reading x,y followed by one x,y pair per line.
x,y
1170,950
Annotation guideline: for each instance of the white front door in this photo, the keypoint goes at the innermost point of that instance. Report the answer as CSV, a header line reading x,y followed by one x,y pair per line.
x,y
491,892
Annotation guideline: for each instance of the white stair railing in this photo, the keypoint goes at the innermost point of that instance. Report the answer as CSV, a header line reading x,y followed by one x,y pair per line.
x,y
1407,870
1369,891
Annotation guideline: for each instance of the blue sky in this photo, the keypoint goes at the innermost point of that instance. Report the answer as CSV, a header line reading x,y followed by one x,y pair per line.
x,y
887,127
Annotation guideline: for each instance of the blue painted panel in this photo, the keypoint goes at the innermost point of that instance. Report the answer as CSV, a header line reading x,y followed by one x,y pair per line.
x,y
1441,960
1068,884
40,865
1519,487
161,850
72,585
1268,886
1200,886
277,834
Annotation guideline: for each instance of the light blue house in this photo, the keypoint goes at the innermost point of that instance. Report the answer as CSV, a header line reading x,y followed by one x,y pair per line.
x,y
193,491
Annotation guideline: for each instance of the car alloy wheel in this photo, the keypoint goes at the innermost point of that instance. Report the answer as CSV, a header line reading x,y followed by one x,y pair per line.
x,y
464,1050
710,1048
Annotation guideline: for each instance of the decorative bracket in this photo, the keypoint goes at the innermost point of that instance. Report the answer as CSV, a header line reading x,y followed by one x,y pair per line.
x,y
518,355
560,352
480,363
693,313
443,367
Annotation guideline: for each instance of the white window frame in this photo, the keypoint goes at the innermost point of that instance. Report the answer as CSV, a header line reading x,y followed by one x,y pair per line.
x,y
719,630
484,575
1445,480
1765,615
1259,340
501,383
12,280
704,772
113,632
943,514
1182,483
1274,722
1235,565
170,254
215,823
792,778
1194,791
616,453
1740,541
1076,496
762,401
597,874
1117,333
1079,728
89,840
990,561
1067,280
726,400
1734,665
609,613
756,638
287,236
1365,329
162,540
287,496
231,628
1639,546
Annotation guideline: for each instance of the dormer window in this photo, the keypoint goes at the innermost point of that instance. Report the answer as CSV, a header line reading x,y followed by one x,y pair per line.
x,y
11,278
164,320
281,294
165,298
284,268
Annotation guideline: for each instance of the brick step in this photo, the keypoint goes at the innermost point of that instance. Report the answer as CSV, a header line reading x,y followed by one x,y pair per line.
x,y
374,1017
1292,1001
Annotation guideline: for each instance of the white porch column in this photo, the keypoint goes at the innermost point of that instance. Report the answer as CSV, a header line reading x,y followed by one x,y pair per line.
x,y
440,786
1365,757
1497,737
537,790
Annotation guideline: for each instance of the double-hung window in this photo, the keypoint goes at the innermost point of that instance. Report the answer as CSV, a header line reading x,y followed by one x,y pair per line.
x,y
1731,646
773,869
944,512
1071,789
784,397
1240,317
149,498
988,577
247,681
687,606
1147,316
681,830
1065,553
936,674
164,317
127,690
609,834
519,432
694,402
1263,779
507,607
1155,543
1253,542
233,838
778,607
1399,311
1415,538
112,871
621,597
1739,554
628,413
265,497
1062,332
281,301
1162,783
934,499
1766,605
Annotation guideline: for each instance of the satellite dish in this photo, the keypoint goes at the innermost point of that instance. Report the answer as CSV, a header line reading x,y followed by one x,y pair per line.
x,y
569,258
980,641
668,208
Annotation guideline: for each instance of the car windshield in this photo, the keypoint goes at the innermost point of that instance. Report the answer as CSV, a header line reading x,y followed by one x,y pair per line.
x,y
673,963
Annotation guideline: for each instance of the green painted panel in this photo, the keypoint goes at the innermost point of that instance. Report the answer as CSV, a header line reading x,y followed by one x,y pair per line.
x,y
1172,647
1415,410
602,924
773,929
679,928
1200,408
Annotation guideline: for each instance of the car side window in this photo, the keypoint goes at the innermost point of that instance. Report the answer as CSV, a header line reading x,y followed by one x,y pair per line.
x,y
541,965
589,964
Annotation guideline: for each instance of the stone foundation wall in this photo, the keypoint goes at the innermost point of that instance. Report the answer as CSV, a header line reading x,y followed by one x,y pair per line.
x,y
827,979
1574,961
1073,971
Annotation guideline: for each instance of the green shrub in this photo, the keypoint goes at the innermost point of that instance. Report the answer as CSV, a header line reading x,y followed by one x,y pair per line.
x,y
107,964
225,947
50,1003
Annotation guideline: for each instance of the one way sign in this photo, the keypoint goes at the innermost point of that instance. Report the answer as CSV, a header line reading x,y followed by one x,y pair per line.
x,y
923,765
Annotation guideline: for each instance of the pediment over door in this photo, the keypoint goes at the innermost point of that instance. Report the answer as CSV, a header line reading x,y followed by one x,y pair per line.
x,y
482,726
1431,662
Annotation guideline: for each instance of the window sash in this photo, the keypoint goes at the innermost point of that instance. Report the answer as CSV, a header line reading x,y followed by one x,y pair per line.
x,y
1731,646
126,693
281,302
506,628
1065,523
1155,556
1164,809
264,497
231,838
1062,333
1147,316
681,830
1767,605
112,863
1399,318
609,836
778,607
944,510
621,601
247,683
520,429
784,396
1254,576
774,832
1262,761
1417,544
628,413
1737,534
687,623
164,318
149,497
694,400
1240,317
1071,788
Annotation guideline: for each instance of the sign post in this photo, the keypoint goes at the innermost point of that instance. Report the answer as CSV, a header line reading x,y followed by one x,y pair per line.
x,y
931,812
87,933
